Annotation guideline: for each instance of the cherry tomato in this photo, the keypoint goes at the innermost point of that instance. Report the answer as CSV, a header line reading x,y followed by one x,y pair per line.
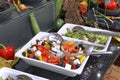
x,y
44,58
53,59
74,66
40,48
101,2
31,55
111,6
65,62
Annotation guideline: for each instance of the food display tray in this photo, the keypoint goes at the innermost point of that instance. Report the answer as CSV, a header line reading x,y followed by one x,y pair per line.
x,y
5,72
63,30
48,66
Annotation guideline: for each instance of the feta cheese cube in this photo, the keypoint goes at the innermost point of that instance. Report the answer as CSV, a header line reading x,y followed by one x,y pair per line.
x,y
33,48
38,53
76,61
68,66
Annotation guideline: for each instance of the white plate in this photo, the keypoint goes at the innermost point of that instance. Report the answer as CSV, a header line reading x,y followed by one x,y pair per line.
x,y
5,72
71,26
48,66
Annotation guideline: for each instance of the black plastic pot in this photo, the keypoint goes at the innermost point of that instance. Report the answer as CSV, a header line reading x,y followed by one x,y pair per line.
x,y
6,14
109,12
30,1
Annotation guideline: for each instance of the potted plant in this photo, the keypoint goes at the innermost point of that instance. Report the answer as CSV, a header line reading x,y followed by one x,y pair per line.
x,y
6,10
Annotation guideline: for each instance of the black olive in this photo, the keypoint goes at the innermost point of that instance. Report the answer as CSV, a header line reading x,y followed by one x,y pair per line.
x,y
61,64
81,46
29,51
37,41
71,63
50,43
35,57
78,65
43,43
23,53
76,47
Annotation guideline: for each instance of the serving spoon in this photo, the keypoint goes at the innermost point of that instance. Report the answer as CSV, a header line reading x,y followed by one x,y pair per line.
x,y
57,36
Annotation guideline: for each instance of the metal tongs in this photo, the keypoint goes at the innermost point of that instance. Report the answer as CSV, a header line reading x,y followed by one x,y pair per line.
x,y
59,37
89,53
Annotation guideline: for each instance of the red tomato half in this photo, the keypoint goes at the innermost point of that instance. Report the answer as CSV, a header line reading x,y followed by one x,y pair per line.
x,y
53,59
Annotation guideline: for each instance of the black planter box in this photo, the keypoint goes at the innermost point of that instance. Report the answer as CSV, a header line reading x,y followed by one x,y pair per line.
x,y
17,31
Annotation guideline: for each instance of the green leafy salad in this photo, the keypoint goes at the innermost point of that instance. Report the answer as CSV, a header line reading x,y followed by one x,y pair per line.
x,y
87,36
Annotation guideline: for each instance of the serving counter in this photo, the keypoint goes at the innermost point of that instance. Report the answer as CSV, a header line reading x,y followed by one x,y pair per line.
x,y
17,32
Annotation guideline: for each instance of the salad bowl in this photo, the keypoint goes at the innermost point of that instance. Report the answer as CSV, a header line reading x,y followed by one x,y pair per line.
x,y
51,63
86,35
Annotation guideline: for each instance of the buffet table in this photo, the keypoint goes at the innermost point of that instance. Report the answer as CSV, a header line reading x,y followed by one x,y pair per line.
x,y
96,66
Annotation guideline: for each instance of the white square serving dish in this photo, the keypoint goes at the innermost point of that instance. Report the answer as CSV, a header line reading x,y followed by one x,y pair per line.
x,y
63,30
49,66
5,72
